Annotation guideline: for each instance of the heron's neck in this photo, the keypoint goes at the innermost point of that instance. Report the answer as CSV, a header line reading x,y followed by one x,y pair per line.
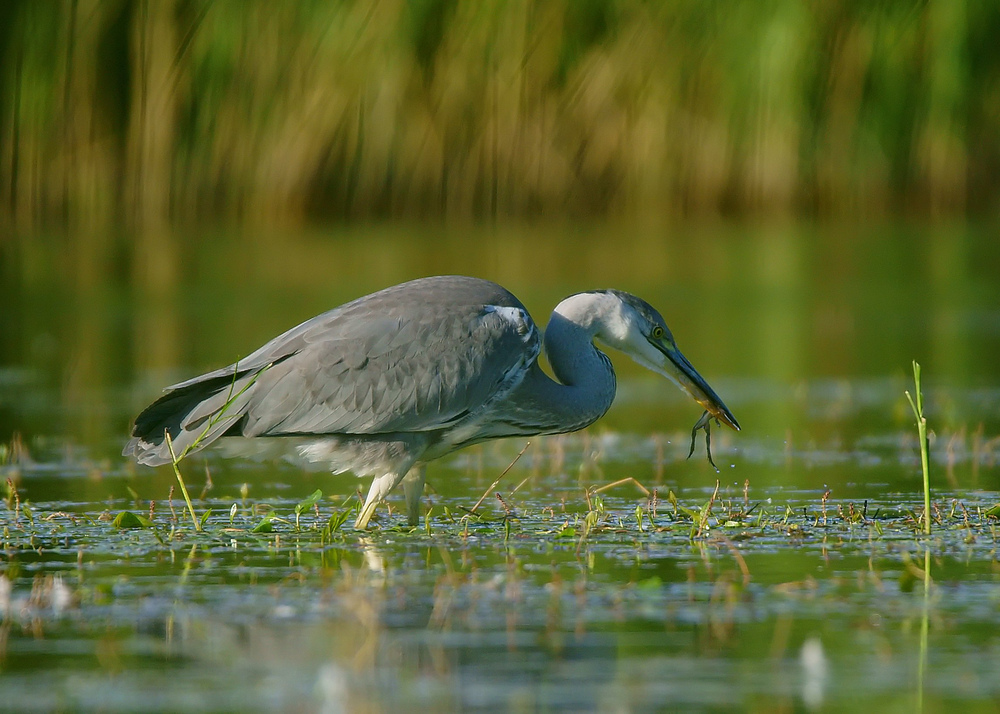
x,y
586,380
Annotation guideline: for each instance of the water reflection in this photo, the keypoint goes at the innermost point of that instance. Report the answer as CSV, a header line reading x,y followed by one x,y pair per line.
x,y
785,304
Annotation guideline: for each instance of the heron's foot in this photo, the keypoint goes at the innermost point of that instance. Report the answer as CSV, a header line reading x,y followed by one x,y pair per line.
x,y
380,488
367,511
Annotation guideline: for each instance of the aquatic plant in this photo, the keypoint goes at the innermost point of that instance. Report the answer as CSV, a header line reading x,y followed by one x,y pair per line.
x,y
918,411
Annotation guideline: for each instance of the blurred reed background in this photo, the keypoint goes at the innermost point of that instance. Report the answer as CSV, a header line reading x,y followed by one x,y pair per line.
x,y
288,112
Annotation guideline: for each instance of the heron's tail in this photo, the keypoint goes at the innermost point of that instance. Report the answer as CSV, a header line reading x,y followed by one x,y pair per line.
x,y
195,413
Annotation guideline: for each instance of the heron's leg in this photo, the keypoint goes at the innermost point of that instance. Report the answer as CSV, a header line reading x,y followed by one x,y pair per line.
x,y
413,488
380,488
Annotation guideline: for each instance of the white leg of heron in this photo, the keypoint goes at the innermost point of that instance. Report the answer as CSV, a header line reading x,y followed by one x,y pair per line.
x,y
413,488
381,486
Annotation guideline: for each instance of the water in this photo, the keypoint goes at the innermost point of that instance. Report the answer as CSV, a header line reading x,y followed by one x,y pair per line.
x,y
800,589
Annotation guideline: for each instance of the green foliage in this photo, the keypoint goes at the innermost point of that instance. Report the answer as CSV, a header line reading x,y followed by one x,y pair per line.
x,y
307,503
335,524
266,524
126,520
485,109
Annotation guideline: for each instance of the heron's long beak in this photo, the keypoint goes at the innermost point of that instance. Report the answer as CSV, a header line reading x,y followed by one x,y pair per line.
x,y
677,368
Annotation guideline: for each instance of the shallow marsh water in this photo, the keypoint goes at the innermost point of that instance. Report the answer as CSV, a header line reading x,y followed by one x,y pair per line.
x,y
797,586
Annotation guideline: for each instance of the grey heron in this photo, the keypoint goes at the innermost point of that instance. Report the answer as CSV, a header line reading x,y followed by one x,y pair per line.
x,y
384,384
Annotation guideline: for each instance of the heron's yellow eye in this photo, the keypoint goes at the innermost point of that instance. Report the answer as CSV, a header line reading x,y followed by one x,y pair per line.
x,y
657,333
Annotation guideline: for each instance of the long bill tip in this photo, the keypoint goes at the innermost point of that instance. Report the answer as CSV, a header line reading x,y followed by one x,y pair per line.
x,y
686,376
722,413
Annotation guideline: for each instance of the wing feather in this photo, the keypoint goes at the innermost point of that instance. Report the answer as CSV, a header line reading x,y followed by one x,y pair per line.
x,y
415,366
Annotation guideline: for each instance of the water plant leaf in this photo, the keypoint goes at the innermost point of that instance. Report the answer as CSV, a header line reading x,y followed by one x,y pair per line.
x,y
127,519
265,525
308,502
336,522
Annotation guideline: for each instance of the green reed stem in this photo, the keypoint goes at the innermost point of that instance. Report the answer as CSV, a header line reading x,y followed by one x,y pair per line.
x,y
231,397
918,412
180,479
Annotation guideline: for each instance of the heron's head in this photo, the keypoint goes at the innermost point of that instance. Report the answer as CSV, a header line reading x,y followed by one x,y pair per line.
x,y
637,329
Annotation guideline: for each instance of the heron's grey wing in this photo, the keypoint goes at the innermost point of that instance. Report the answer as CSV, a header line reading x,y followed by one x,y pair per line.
x,y
414,356
417,368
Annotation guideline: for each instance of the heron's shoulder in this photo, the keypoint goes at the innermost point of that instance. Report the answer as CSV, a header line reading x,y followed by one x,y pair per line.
x,y
511,317
425,300
445,290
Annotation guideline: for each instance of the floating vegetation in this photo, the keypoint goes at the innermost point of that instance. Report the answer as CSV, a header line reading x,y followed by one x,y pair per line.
x,y
654,513
588,577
